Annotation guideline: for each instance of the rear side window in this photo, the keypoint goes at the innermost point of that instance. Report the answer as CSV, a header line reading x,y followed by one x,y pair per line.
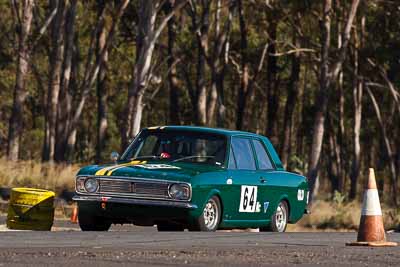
x,y
264,163
232,162
243,154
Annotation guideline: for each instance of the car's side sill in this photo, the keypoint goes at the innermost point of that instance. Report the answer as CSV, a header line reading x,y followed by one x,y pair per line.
x,y
135,201
244,223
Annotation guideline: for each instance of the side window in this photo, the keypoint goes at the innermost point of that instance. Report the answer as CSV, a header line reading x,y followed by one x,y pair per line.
x,y
243,154
232,162
262,156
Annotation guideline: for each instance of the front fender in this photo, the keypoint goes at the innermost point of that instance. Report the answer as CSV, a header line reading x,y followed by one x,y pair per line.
x,y
200,198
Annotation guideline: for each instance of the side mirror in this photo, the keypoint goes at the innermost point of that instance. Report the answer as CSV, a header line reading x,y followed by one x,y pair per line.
x,y
114,156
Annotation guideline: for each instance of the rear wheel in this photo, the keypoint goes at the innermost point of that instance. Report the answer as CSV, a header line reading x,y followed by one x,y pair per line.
x,y
210,218
279,219
88,222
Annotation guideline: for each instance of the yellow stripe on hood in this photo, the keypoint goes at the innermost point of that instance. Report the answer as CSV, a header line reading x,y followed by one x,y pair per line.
x,y
104,170
109,170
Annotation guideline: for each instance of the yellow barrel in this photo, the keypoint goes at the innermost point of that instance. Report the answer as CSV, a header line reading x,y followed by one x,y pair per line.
x,y
30,209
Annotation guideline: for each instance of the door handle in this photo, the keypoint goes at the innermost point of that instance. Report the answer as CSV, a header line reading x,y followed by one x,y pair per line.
x,y
263,180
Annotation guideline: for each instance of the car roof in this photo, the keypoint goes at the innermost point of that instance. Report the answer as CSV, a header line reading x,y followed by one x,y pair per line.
x,y
205,129
225,132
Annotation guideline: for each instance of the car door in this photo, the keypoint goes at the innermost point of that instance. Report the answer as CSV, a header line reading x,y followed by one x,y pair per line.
x,y
245,181
269,191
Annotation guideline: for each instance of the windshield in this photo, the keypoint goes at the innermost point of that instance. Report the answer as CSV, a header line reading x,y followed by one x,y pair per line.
x,y
175,146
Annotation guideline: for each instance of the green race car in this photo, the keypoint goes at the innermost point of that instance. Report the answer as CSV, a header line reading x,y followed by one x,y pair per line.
x,y
196,178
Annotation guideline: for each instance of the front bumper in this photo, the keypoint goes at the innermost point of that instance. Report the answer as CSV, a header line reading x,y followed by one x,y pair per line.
x,y
135,201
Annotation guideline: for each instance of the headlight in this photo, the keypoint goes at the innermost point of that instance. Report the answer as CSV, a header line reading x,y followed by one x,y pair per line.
x,y
80,184
179,191
91,185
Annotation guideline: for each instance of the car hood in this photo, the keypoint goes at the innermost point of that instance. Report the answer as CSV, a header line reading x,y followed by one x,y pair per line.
x,y
178,171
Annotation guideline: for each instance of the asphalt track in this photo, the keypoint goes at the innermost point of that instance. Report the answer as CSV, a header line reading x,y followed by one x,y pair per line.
x,y
144,246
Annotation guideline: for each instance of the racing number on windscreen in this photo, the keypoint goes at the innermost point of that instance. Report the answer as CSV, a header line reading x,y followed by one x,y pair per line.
x,y
248,199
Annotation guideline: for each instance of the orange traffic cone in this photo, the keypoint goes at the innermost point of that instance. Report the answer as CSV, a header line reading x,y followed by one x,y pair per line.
x,y
74,215
371,231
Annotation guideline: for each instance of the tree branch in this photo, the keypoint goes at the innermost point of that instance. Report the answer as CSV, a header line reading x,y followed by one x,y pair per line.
x,y
336,68
164,22
45,26
297,50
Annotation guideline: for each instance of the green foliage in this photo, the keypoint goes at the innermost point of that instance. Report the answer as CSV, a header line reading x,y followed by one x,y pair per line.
x,y
297,164
338,199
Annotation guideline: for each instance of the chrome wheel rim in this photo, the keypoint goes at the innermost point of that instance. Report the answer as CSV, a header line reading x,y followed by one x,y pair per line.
x,y
280,218
210,214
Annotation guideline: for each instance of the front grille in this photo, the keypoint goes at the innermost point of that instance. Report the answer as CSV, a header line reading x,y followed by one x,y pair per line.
x,y
151,189
135,188
117,186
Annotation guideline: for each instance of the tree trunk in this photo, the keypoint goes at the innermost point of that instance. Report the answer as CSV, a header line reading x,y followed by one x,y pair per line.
x,y
292,95
201,104
334,154
244,79
65,100
355,168
147,37
70,147
322,98
201,90
91,74
220,88
389,150
340,92
357,104
272,84
141,71
332,165
212,104
218,64
341,136
20,92
215,66
301,127
102,107
56,62
327,76
174,106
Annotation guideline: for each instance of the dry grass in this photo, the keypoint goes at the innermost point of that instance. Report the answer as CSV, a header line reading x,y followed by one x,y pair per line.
x,y
333,216
55,177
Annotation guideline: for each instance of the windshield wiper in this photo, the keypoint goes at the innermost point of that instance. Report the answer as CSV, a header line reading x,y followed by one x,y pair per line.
x,y
192,157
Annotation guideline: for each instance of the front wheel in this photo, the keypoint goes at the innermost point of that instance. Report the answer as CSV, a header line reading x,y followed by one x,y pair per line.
x,y
92,223
210,218
279,219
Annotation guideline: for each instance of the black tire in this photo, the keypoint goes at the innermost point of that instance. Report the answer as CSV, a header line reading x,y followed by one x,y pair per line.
x,y
170,227
279,219
92,223
209,220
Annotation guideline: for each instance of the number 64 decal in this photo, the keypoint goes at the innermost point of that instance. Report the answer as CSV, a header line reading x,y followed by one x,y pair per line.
x,y
248,199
